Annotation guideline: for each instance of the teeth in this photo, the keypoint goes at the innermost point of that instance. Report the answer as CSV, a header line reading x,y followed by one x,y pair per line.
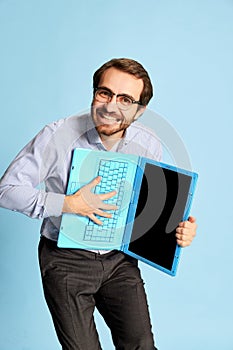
x,y
110,118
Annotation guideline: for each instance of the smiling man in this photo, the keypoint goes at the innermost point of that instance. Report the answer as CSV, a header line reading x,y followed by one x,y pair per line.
x,y
77,281
116,103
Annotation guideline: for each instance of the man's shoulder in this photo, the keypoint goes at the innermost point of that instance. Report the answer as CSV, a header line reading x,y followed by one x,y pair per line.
x,y
71,127
74,122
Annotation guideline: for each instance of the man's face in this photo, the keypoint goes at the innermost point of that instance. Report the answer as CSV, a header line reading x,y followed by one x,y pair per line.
x,y
108,118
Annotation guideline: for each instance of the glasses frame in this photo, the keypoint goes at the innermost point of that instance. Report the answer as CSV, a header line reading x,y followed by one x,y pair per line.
x,y
117,95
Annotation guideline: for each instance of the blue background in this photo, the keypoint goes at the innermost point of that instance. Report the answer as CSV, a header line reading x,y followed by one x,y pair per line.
x,y
49,51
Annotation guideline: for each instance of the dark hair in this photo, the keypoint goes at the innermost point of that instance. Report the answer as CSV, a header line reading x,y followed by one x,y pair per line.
x,y
131,67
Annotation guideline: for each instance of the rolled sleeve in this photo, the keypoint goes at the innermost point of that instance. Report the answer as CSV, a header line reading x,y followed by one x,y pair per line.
x,y
53,204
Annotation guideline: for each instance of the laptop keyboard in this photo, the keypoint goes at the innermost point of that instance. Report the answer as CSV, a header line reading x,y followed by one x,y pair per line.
x,y
113,174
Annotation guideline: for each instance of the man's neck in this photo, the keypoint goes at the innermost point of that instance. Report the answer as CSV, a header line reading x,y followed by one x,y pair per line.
x,y
110,142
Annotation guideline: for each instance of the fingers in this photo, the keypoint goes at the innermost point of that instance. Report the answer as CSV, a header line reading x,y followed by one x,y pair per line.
x,y
108,195
95,219
94,182
102,213
106,206
183,241
192,219
99,212
86,203
102,196
89,204
186,231
189,223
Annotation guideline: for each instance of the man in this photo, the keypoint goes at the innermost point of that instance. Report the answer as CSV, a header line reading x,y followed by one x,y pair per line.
x,y
76,281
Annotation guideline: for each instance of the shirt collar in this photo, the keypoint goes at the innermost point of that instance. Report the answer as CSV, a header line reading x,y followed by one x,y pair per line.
x,y
130,133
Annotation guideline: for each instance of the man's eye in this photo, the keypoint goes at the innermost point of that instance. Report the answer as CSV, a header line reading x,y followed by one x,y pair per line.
x,y
104,93
125,100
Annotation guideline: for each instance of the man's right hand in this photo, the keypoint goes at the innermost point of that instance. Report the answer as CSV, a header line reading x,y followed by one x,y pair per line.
x,y
86,203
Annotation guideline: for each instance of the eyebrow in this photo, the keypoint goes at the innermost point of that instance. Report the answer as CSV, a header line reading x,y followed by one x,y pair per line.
x,y
126,95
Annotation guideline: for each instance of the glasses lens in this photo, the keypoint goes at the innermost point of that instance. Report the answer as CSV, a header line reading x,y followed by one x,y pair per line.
x,y
102,95
124,102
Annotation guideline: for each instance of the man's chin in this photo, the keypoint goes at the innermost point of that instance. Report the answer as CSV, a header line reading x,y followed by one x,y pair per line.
x,y
109,130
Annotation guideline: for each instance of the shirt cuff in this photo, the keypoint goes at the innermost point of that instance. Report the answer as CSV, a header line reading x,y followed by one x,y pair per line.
x,y
53,204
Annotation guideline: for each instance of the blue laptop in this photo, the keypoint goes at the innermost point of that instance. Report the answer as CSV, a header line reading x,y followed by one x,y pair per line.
x,y
152,198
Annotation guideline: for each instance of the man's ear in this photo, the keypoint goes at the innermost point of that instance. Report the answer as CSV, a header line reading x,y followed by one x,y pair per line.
x,y
140,111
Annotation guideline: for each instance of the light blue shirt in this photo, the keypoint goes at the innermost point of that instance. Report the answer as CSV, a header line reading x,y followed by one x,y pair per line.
x,y
35,182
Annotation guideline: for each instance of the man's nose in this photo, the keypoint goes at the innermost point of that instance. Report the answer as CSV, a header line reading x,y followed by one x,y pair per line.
x,y
111,106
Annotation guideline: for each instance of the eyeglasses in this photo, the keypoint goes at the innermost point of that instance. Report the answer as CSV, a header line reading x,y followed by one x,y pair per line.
x,y
104,95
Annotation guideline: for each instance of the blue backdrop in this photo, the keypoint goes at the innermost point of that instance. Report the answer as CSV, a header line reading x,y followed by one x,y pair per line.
x,y
49,51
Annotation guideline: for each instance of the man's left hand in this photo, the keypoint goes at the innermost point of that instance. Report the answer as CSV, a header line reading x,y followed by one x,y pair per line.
x,y
186,231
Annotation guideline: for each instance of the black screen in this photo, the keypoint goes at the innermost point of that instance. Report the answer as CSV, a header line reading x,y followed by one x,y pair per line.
x,y
160,208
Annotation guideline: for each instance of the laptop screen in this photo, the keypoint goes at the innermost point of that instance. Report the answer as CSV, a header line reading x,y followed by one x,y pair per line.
x,y
161,205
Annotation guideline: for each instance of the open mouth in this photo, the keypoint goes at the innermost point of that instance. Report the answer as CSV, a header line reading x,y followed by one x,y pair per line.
x,y
104,118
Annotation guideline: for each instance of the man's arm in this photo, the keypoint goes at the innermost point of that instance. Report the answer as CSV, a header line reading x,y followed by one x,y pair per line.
x,y
19,185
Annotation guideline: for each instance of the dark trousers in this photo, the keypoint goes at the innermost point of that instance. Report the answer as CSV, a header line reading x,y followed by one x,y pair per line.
x,y
76,281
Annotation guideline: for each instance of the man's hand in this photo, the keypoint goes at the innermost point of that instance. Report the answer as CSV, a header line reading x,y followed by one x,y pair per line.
x,y
86,203
186,231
